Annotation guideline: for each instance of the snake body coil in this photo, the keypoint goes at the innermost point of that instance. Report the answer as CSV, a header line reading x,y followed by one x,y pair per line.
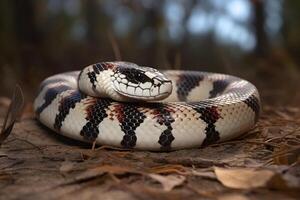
x,y
106,103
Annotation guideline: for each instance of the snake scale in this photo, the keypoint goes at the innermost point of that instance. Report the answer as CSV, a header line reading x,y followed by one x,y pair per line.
x,y
125,105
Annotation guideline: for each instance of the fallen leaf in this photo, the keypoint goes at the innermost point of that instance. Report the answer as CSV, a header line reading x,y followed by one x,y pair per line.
x,y
3,154
232,197
100,170
168,182
204,174
243,178
167,169
4,101
248,178
66,167
13,113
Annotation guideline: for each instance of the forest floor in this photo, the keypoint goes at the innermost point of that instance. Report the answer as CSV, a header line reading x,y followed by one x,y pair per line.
x,y
36,163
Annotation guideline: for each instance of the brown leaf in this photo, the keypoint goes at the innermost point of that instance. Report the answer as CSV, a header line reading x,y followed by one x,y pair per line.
x,y
167,169
247,178
204,174
98,171
66,167
243,178
168,182
13,113
3,154
4,101
232,197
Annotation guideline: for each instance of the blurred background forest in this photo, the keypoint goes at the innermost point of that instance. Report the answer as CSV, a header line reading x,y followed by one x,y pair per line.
x,y
255,39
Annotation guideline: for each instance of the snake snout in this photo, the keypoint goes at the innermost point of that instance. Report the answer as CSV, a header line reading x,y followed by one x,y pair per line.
x,y
165,89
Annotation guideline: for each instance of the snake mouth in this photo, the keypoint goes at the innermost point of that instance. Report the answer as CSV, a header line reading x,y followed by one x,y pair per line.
x,y
145,98
145,94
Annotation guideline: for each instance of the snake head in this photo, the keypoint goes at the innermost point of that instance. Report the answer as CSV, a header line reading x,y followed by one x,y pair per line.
x,y
140,83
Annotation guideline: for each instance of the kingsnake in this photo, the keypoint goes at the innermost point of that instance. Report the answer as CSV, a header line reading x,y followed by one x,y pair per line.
x,y
125,105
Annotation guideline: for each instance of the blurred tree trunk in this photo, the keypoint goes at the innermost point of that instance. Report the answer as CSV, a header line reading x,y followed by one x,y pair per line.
x,y
28,37
180,55
92,18
26,30
262,45
153,21
98,27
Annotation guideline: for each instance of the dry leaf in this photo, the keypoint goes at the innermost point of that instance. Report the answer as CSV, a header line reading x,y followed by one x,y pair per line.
x,y
248,178
167,169
204,174
98,171
4,101
232,197
66,167
13,113
3,154
168,182
243,178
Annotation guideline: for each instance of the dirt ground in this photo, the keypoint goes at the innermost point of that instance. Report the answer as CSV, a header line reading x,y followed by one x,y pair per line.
x,y
36,163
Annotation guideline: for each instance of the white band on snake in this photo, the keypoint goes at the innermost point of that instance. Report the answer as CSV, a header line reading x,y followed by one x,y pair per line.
x,y
125,105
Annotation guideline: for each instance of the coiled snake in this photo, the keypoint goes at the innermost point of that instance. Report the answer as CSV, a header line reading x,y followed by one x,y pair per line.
x,y
106,103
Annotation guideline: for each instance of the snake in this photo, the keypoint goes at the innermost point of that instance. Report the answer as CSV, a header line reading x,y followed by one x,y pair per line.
x,y
122,104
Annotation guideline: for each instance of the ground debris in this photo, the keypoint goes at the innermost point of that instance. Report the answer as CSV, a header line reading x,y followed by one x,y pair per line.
x,y
36,163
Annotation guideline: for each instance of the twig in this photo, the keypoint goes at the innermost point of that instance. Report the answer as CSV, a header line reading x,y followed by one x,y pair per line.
x,y
115,46
93,146
26,141
244,141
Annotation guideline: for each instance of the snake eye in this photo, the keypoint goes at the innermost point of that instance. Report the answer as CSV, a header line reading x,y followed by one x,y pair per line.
x,y
134,75
140,77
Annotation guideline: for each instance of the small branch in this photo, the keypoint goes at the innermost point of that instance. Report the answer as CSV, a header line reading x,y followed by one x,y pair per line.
x,y
115,46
